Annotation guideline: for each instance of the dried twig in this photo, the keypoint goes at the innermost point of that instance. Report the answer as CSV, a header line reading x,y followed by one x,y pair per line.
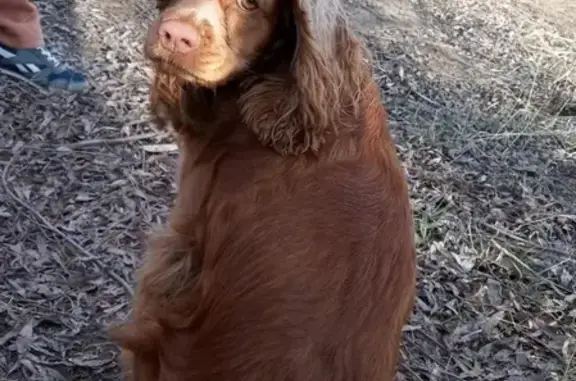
x,y
159,148
125,139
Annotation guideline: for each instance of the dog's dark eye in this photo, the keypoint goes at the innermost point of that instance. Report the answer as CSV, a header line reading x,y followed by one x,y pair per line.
x,y
162,4
248,5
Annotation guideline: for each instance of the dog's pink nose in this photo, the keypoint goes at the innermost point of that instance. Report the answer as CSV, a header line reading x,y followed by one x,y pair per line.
x,y
177,36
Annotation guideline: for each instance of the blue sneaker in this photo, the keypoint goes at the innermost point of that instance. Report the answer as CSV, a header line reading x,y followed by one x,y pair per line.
x,y
39,68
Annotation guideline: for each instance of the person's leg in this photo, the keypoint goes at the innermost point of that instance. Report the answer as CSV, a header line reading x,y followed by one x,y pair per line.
x,y
20,24
22,53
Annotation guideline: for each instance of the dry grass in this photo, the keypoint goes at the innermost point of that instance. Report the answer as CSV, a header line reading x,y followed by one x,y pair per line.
x,y
483,108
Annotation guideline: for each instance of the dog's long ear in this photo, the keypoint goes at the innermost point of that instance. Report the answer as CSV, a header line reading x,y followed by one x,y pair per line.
x,y
296,113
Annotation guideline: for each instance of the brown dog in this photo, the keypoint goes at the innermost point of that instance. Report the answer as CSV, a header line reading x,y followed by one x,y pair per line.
x,y
289,253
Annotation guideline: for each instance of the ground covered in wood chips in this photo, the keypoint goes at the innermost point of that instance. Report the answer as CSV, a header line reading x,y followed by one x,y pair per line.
x,y
483,109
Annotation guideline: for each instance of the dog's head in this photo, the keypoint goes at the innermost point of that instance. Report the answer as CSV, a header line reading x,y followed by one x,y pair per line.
x,y
293,65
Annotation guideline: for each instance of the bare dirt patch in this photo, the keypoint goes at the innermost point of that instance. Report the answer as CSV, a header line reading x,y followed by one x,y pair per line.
x,y
482,102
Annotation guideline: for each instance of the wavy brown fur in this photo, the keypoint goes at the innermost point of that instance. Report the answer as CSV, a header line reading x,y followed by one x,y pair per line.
x,y
325,92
